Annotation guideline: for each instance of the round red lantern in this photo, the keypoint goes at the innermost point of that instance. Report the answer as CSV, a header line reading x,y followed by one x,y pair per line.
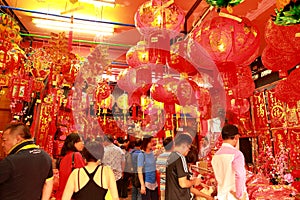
x,y
102,92
154,15
284,92
294,80
279,61
164,90
179,59
283,38
228,40
127,80
137,55
186,92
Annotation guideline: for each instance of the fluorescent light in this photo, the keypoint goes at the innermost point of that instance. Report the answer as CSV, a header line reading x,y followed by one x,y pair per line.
x,y
89,28
98,3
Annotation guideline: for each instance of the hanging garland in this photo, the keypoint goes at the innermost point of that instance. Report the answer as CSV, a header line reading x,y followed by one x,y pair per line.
x,y
224,3
289,15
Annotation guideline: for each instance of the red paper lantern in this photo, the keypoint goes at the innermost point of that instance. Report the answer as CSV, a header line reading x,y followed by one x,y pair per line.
x,y
137,55
283,38
227,40
127,80
276,60
103,91
164,90
179,59
284,92
294,80
186,92
154,15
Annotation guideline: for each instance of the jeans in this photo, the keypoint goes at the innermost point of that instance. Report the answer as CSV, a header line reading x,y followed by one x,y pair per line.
x,y
136,194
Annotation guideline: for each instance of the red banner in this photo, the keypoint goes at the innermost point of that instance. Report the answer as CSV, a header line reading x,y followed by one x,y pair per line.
x,y
294,145
280,138
260,111
276,109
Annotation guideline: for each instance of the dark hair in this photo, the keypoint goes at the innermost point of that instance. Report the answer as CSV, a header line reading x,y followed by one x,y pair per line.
x,y
192,156
168,143
138,142
19,127
108,138
182,138
145,143
71,139
229,131
93,151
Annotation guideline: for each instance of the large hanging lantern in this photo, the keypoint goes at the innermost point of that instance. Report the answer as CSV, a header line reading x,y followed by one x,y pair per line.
x,y
164,90
294,80
102,92
127,80
283,38
228,40
186,92
158,15
277,60
137,55
179,59
284,92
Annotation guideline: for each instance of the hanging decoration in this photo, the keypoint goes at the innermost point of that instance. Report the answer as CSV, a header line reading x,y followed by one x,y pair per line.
x,y
283,38
179,59
289,15
137,55
276,60
159,15
224,3
228,40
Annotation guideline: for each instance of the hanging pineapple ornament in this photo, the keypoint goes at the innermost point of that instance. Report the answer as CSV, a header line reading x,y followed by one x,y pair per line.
x,y
122,103
106,104
177,111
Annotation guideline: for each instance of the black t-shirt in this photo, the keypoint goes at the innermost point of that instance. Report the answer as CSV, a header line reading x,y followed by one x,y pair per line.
x,y
176,168
23,174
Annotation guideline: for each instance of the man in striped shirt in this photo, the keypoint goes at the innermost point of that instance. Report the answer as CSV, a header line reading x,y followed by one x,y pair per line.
x,y
178,182
229,167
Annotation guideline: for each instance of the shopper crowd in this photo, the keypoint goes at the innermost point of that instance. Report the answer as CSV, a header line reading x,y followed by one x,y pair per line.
x,y
107,168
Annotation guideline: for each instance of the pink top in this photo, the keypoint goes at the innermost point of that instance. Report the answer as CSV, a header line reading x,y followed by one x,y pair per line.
x,y
229,169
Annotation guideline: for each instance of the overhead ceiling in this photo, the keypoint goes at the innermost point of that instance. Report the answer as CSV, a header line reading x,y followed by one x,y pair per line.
x,y
258,11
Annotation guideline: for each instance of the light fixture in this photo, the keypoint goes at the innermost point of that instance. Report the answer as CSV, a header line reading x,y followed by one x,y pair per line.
x,y
79,27
99,3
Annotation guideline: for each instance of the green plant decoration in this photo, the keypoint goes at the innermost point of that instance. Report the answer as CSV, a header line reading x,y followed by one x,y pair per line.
x,y
223,3
289,15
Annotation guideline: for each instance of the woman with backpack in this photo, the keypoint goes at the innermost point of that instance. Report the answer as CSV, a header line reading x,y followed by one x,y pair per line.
x,y
71,159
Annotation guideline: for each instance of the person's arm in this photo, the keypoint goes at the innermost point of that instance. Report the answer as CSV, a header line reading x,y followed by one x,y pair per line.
x,y
5,170
185,183
47,189
200,194
112,186
141,160
238,166
70,186
182,172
